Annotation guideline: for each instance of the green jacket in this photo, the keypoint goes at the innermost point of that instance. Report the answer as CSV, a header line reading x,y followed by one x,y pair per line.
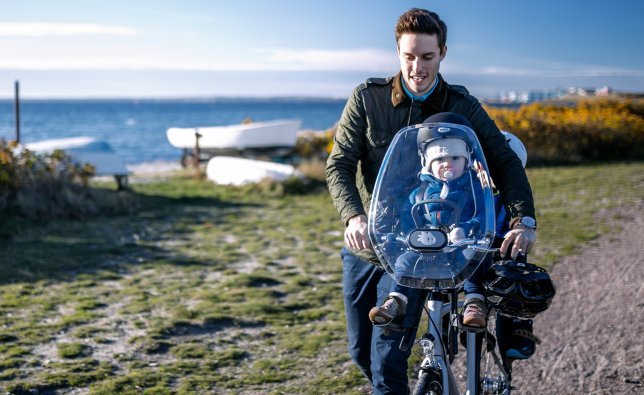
x,y
378,109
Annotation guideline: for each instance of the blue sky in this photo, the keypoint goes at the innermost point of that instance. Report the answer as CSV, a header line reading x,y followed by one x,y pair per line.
x,y
190,48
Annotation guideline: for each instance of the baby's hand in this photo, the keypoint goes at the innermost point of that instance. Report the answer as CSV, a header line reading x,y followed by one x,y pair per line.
x,y
456,234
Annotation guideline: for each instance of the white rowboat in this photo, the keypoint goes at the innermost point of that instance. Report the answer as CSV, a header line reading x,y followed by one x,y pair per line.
x,y
269,134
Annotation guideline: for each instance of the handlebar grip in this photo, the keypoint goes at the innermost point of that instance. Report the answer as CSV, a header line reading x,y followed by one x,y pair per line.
x,y
496,256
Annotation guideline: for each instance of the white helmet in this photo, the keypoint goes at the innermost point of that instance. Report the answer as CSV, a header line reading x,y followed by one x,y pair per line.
x,y
517,146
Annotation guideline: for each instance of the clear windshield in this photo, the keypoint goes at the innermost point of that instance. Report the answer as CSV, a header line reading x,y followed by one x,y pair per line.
x,y
431,222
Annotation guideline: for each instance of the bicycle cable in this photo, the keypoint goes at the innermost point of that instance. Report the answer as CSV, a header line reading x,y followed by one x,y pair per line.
x,y
439,332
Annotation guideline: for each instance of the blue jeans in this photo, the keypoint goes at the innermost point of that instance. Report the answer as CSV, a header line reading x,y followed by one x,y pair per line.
x,y
378,356
474,284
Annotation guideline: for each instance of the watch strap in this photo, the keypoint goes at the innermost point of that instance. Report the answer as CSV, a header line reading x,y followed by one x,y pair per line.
x,y
517,223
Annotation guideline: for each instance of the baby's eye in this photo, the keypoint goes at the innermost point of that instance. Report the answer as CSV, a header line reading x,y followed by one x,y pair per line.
x,y
455,158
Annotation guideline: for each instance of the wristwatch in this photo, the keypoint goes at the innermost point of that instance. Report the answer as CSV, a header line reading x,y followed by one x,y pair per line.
x,y
526,223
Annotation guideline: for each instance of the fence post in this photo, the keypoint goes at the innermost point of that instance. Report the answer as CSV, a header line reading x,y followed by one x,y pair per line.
x,y
16,107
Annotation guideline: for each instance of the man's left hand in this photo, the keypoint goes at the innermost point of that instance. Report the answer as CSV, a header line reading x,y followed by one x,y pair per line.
x,y
523,240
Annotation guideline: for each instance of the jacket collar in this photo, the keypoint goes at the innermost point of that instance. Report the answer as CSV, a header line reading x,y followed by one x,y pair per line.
x,y
435,102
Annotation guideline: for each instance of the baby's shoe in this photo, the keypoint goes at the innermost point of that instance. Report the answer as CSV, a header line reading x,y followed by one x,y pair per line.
x,y
523,342
395,305
474,313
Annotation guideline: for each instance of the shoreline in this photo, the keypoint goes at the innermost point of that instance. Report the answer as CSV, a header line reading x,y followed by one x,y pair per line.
x,y
153,167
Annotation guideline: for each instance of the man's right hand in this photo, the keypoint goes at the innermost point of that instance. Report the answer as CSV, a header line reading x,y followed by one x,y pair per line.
x,y
355,235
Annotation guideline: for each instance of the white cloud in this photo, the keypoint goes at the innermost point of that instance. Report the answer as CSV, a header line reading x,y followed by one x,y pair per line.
x,y
43,29
372,60
377,61
583,71
546,69
318,59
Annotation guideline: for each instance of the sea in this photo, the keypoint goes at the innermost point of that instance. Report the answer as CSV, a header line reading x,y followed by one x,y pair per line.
x,y
136,128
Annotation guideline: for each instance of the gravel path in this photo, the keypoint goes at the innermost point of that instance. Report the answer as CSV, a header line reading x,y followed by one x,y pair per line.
x,y
592,333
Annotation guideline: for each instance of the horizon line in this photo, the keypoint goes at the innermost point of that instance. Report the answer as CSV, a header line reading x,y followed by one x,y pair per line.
x,y
205,98
186,97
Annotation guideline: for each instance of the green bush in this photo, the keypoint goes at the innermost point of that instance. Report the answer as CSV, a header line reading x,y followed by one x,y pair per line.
x,y
45,186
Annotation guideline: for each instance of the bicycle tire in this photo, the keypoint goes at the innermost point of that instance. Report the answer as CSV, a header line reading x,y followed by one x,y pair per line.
x,y
429,383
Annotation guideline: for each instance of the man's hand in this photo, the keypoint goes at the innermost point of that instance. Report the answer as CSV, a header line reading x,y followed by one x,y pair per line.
x,y
355,235
523,240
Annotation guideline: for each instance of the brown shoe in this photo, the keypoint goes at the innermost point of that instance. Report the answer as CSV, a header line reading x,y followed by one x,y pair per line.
x,y
390,309
474,313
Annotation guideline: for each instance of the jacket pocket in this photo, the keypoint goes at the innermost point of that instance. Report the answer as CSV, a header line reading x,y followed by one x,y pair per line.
x,y
378,138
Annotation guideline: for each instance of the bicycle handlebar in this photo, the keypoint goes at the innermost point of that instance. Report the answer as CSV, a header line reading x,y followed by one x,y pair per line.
x,y
450,247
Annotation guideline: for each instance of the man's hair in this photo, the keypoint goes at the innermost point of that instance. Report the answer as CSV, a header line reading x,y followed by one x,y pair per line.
x,y
418,20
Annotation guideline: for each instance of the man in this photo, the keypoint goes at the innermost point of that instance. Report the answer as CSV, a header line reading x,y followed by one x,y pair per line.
x,y
376,110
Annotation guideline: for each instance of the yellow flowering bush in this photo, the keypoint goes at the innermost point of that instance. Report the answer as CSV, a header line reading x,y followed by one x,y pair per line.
x,y
593,129
585,130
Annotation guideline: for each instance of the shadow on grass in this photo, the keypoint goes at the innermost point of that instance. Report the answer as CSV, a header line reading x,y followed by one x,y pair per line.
x,y
208,327
63,249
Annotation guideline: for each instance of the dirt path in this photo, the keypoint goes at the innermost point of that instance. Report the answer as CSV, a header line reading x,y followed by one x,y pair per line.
x,y
592,334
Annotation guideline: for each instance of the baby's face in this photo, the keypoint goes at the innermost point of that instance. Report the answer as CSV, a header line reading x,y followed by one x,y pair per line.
x,y
448,167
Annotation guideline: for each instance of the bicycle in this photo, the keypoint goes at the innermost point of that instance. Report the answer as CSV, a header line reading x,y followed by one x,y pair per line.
x,y
508,300
439,345
412,234
439,349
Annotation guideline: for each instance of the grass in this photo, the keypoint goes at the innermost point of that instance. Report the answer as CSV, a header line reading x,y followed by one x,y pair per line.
x,y
210,289
569,200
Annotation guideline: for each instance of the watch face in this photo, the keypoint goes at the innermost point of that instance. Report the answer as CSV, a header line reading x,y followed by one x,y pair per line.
x,y
529,222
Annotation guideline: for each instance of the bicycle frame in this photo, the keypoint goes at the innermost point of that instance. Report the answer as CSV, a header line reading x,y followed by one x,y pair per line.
x,y
438,359
437,309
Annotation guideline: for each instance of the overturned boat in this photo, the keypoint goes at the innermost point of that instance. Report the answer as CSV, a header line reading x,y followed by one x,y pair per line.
x,y
85,149
255,139
239,171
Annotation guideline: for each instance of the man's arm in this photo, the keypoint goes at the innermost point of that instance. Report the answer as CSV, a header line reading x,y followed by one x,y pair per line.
x,y
511,180
341,169
505,167
342,164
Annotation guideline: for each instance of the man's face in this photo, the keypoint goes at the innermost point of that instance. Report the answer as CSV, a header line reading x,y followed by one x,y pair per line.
x,y
420,58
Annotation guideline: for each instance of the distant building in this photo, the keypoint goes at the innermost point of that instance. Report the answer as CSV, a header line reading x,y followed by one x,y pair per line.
x,y
536,95
531,96
605,91
574,91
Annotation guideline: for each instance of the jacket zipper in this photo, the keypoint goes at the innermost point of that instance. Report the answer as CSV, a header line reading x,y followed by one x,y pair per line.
x,y
409,113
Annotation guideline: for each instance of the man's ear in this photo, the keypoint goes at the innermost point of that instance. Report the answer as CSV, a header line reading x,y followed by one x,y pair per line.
x,y
444,52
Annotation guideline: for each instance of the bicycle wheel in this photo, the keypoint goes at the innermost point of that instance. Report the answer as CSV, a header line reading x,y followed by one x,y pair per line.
x,y
430,382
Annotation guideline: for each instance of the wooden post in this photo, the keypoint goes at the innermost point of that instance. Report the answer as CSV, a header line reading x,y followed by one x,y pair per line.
x,y
16,106
197,154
